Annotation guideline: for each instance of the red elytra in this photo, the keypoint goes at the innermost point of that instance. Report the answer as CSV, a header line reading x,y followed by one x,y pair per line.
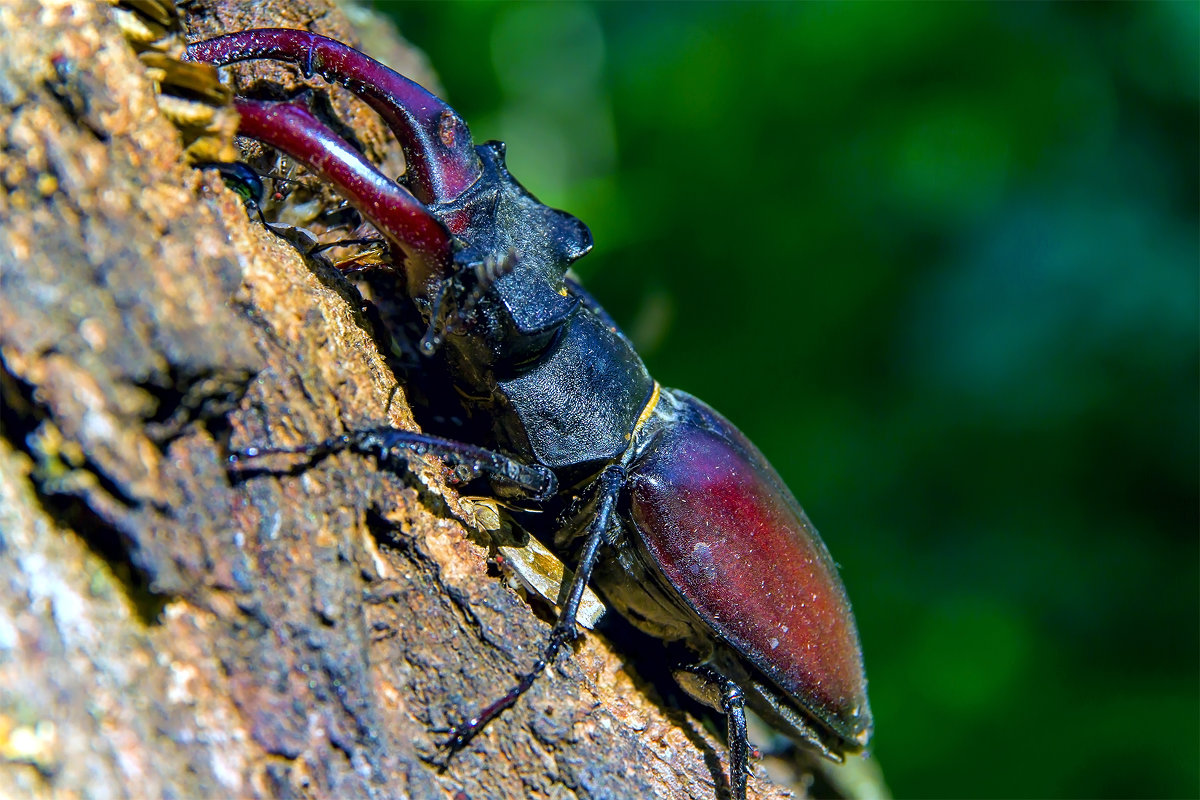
x,y
733,542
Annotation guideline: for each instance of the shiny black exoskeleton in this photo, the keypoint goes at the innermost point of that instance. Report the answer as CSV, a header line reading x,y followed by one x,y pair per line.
x,y
703,543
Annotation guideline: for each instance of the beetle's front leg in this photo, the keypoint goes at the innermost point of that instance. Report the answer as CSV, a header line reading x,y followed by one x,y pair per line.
x,y
390,445
608,489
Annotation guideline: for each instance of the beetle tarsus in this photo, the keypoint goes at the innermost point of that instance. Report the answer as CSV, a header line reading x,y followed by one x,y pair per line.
x,y
462,734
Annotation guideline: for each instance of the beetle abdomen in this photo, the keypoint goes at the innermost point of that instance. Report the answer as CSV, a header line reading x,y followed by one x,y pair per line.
x,y
733,542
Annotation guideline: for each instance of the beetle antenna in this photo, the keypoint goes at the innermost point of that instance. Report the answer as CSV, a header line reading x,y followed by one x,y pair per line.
x,y
433,337
486,273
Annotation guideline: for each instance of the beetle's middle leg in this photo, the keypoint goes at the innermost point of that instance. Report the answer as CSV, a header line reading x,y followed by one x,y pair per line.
x,y
609,485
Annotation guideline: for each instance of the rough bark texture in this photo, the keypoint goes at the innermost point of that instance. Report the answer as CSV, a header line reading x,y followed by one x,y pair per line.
x,y
169,628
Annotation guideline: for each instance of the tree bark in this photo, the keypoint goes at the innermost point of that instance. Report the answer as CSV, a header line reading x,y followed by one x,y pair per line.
x,y
171,626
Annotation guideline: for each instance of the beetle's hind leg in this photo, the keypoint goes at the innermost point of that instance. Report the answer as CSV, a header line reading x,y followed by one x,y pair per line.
x,y
706,685
609,485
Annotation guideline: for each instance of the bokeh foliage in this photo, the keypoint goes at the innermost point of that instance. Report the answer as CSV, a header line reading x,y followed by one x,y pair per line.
x,y
940,261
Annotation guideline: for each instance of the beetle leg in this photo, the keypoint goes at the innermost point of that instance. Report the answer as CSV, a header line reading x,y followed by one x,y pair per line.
x,y
610,482
706,685
360,242
734,704
390,444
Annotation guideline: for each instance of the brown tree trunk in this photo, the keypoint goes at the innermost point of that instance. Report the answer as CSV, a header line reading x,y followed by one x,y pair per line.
x,y
170,627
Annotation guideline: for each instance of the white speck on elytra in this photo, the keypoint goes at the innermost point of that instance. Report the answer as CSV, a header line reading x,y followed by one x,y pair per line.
x,y
774,643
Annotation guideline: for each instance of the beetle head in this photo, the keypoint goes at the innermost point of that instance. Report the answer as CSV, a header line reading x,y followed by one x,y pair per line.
x,y
498,220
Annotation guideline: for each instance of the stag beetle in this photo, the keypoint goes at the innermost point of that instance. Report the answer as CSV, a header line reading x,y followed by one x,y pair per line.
x,y
705,543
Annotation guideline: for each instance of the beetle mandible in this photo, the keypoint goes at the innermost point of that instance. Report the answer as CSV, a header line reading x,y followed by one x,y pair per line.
x,y
705,544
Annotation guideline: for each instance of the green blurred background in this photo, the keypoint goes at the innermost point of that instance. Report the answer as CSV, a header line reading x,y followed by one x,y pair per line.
x,y
940,262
